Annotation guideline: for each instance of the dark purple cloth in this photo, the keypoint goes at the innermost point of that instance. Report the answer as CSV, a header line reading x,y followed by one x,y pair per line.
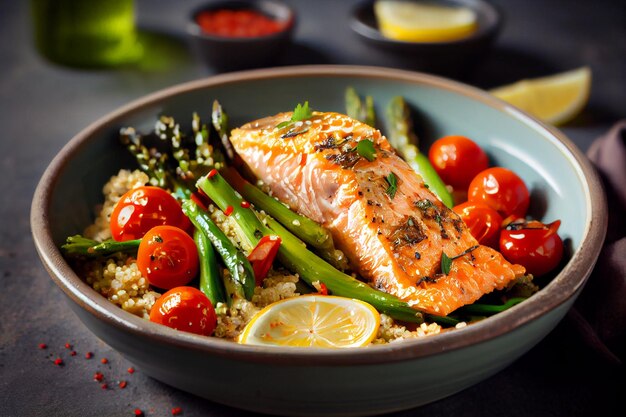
x,y
600,312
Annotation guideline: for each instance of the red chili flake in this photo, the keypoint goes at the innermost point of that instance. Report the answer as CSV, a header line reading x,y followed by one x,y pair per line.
x,y
88,355
131,370
68,346
138,412
323,289
123,384
73,353
104,360
98,376
212,173
104,386
58,362
176,411
42,346
245,204
229,210
302,159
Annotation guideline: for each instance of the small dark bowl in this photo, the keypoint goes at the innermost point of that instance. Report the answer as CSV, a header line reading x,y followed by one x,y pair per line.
x,y
451,58
229,53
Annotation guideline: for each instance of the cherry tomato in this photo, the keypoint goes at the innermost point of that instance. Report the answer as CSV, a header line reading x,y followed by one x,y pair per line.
x,y
502,190
482,221
262,256
142,208
167,257
186,309
457,160
534,245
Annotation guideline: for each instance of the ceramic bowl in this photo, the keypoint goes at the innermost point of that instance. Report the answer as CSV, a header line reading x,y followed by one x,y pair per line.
x,y
230,53
309,382
454,58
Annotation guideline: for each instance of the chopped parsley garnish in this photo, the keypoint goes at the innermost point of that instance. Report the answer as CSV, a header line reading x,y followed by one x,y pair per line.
x,y
446,261
301,112
392,180
365,148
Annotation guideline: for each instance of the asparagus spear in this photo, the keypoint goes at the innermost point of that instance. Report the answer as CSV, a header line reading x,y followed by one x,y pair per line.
x,y
402,137
78,245
359,111
370,113
304,228
210,280
220,123
240,281
294,255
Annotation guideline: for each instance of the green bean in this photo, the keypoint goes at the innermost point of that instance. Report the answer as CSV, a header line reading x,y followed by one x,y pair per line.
x,y
78,245
239,283
489,309
210,280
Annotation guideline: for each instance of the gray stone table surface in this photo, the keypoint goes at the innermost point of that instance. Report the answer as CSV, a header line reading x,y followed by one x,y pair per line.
x,y
43,105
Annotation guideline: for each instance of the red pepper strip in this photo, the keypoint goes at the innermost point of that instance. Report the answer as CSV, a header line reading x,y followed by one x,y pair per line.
x,y
262,256
323,289
200,199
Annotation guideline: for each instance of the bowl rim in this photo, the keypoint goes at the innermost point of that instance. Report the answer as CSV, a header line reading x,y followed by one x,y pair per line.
x,y
565,285
483,31
194,29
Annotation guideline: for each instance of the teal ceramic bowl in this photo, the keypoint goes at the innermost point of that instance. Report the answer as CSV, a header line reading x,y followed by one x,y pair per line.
x,y
365,381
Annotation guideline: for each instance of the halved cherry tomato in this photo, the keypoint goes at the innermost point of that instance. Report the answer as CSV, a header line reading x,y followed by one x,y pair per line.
x,y
482,221
532,244
457,160
502,190
186,309
142,208
262,256
167,257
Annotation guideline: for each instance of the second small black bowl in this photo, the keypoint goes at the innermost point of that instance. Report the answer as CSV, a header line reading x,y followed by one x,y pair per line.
x,y
451,58
224,53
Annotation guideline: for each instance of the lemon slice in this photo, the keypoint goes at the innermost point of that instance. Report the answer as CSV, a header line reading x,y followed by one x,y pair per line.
x,y
555,99
423,22
313,321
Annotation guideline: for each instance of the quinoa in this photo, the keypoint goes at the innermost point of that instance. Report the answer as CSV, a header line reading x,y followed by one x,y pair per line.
x,y
389,331
277,286
119,280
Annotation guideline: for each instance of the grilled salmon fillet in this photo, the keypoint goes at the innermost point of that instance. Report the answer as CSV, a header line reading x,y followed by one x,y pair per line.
x,y
393,238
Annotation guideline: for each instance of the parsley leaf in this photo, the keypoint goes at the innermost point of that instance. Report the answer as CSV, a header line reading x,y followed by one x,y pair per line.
x,y
446,263
301,112
392,180
365,148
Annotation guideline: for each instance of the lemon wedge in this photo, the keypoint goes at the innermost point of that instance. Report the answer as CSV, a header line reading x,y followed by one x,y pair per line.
x,y
313,321
423,22
555,99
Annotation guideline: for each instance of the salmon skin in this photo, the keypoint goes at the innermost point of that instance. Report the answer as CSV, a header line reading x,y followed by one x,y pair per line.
x,y
393,238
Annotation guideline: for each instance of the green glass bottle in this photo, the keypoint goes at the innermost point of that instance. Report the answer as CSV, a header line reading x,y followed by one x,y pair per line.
x,y
86,33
